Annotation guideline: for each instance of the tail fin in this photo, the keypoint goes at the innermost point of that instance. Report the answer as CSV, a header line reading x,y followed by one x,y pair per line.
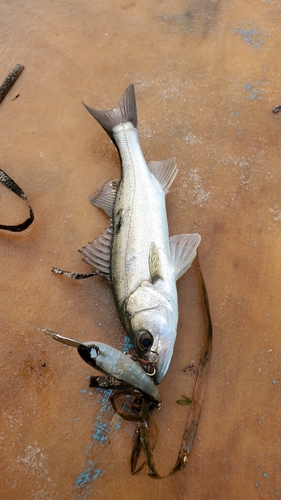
x,y
125,111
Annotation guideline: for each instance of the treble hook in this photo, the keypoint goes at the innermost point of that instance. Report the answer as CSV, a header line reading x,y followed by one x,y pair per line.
x,y
147,365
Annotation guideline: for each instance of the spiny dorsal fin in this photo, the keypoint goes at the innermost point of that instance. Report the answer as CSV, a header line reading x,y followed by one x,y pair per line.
x,y
105,196
165,172
97,253
183,251
125,111
154,263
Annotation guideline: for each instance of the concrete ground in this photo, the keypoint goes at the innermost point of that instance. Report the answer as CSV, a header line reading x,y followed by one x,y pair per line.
x,y
207,77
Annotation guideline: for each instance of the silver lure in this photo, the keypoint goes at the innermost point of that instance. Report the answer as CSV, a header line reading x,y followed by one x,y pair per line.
x,y
112,362
135,252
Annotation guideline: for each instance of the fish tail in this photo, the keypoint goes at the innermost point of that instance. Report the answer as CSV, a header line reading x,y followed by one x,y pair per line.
x,y
125,111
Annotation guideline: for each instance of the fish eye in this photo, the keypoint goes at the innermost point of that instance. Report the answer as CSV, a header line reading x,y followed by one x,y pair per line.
x,y
144,340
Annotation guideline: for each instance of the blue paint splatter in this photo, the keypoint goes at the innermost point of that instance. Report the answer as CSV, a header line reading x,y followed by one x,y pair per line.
x,y
249,35
127,345
84,478
253,92
97,474
258,486
83,391
100,434
83,481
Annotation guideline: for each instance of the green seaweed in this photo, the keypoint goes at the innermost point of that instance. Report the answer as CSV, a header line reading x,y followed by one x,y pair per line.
x,y
184,401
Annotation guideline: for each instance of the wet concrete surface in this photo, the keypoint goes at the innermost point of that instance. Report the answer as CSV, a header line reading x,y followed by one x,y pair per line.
x,y
207,76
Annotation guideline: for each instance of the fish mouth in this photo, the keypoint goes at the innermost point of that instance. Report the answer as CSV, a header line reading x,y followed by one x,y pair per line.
x,y
160,373
148,362
149,368
154,364
164,358
153,370
156,361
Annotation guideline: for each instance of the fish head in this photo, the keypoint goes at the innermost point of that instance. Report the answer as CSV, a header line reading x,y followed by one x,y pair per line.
x,y
153,328
154,333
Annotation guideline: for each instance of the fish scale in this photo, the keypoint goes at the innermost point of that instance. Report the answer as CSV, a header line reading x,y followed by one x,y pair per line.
x,y
138,198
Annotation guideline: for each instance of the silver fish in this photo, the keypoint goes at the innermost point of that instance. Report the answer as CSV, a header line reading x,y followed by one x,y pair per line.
x,y
135,252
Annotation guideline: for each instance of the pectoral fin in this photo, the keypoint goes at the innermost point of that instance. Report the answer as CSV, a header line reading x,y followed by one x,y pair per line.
x,y
97,253
165,172
154,263
105,196
183,252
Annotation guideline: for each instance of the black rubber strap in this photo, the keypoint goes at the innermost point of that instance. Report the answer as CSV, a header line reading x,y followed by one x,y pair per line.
x,y
13,186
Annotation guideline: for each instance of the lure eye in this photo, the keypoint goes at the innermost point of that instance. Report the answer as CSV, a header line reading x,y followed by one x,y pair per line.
x,y
144,341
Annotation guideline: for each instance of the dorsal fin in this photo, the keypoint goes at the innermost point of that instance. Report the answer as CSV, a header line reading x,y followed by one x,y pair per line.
x,y
165,172
154,263
105,196
125,111
183,251
97,253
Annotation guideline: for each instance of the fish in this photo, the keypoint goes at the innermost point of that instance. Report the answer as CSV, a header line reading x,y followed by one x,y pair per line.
x,y
135,253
